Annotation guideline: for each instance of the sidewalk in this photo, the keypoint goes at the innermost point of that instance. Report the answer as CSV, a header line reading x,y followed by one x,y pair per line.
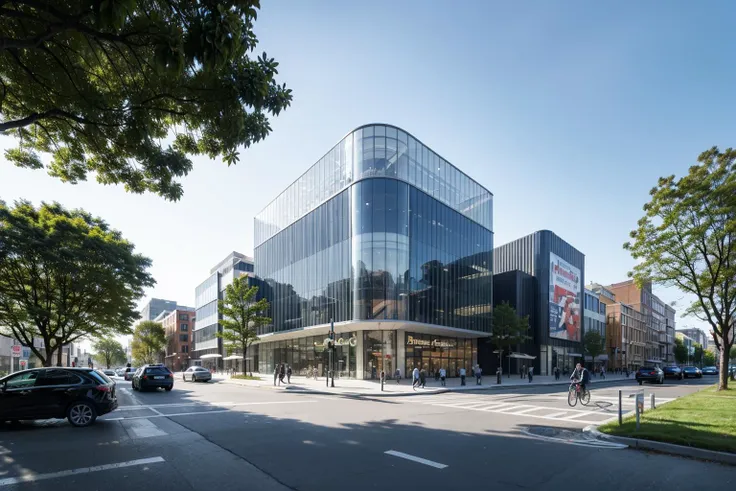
x,y
404,388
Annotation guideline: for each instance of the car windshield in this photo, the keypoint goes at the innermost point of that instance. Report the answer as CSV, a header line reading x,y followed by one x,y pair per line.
x,y
157,371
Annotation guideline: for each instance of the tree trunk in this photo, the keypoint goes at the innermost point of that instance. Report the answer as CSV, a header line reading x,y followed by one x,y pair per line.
x,y
723,369
58,355
245,354
48,359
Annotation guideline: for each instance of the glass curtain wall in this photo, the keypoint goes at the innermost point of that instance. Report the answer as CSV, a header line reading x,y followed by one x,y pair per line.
x,y
375,151
379,354
307,353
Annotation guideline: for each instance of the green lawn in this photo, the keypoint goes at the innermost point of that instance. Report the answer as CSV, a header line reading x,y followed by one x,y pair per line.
x,y
705,419
245,377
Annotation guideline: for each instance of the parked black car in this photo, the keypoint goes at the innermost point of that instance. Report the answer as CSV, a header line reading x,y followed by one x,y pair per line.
x,y
710,371
692,372
153,377
78,394
673,372
650,374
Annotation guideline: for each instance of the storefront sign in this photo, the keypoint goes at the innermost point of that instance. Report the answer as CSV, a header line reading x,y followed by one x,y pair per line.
x,y
352,341
434,343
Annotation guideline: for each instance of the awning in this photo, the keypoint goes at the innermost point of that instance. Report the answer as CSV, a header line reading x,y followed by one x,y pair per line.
x,y
573,354
208,357
522,356
233,357
654,361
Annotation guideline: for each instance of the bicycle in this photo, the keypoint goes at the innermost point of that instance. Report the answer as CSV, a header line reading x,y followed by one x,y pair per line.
x,y
573,394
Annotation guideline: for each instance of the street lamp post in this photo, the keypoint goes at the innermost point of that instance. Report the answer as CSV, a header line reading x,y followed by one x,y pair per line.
x,y
331,347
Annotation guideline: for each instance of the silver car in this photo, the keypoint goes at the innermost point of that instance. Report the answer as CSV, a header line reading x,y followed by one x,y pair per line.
x,y
196,374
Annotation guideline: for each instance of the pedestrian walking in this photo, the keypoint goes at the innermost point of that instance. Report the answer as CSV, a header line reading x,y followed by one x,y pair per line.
x,y
603,372
314,372
523,371
557,373
462,376
288,374
398,375
478,373
282,374
423,377
531,374
275,374
415,378
443,376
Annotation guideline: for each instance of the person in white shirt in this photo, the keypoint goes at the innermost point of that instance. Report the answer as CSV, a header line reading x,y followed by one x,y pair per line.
x,y
443,375
462,376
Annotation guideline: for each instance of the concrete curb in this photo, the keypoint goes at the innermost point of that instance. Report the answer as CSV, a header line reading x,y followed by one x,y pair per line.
x,y
430,392
662,447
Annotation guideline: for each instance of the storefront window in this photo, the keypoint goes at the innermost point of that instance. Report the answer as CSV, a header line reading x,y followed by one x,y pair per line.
x,y
380,353
434,352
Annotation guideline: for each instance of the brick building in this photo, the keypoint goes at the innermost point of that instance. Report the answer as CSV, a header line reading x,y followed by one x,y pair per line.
x,y
178,325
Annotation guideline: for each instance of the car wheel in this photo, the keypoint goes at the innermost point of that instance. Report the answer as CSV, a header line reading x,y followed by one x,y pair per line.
x,y
168,389
81,414
661,381
641,382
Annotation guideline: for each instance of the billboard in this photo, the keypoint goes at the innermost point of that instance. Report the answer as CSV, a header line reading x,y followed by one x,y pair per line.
x,y
565,295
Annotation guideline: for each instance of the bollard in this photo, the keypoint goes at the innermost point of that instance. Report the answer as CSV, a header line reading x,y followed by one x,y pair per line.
x,y
620,409
498,376
651,401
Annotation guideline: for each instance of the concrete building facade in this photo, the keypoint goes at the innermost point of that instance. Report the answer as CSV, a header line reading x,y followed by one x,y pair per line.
x,y
178,326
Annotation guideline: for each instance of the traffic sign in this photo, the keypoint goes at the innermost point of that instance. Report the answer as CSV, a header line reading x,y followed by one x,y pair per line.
x,y
23,364
16,350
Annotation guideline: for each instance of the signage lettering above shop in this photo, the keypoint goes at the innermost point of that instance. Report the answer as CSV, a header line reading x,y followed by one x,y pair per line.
x,y
434,343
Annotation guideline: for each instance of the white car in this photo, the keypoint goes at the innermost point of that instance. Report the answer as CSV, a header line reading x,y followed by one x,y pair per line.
x,y
196,374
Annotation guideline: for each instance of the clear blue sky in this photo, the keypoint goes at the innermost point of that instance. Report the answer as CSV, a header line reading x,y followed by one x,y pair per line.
x,y
567,111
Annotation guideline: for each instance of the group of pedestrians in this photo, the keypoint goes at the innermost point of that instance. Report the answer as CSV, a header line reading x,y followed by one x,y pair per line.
x,y
281,371
528,372
419,376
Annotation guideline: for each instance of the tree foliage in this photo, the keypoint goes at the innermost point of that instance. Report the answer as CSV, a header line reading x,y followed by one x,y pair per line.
x,y
687,239
100,84
594,344
680,351
242,314
149,342
709,358
110,351
508,329
697,354
65,275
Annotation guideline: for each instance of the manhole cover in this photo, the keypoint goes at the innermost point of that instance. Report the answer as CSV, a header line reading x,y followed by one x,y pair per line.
x,y
569,437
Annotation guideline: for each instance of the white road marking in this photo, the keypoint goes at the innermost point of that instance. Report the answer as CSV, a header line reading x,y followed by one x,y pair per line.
x,y
169,415
554,415
512,408
156,411
579,414
593,443
142,428
128,408
414,458
9,481
524,411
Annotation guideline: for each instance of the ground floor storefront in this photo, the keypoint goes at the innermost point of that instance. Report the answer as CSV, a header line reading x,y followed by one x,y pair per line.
x,y
364,354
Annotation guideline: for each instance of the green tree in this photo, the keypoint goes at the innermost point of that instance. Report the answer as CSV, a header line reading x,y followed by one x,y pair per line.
x,y
709,358
680,351
100,84
149,342
242,314
594,344
65,275
508,330
697,354
687,239
110,350
732,353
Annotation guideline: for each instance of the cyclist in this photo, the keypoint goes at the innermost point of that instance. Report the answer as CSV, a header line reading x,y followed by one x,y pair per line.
x,y
580,376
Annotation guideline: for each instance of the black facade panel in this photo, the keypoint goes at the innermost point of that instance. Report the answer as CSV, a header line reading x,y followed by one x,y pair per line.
x,y
531,255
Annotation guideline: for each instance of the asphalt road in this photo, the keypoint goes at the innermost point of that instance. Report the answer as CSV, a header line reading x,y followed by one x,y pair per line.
x,y
221,436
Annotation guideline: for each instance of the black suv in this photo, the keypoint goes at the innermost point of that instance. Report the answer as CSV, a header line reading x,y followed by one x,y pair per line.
x,y
673,372
153,377
650,374
78,394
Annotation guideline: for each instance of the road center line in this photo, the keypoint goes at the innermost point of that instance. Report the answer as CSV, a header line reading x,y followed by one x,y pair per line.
x,y
414,458
9,481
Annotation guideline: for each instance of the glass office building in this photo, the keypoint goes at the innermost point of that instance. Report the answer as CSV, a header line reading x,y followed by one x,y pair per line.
x,y
391,242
